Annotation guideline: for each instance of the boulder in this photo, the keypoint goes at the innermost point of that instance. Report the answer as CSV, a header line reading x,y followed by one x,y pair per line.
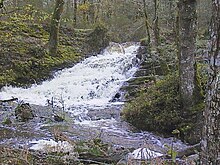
x,y
23,112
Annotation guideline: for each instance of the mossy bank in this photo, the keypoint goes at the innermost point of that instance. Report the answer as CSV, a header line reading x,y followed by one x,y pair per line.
x,y
153,98
24,36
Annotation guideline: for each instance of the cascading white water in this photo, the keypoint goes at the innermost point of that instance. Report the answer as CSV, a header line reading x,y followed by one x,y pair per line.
x,y
89,85
92,82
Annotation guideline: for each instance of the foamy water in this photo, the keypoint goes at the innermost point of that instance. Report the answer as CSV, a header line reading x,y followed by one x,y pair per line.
x,y
92,82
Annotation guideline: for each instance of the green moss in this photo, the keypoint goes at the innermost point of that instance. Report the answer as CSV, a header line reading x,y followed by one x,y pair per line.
x,y
155,107
159,109
198,94
202,73
98,38
23,55
144,42
94,147
140,80
7,121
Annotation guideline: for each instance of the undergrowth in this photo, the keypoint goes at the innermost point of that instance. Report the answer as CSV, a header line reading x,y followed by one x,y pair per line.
x,y
23,40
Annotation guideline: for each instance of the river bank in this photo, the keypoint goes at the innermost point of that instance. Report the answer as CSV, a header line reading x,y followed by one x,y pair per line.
x,y
110,132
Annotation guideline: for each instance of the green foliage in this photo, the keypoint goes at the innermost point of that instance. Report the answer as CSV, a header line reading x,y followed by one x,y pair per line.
x,y
94,147
84,7
202,69
7,121
23,54
98,38
144,42
158,109
171,152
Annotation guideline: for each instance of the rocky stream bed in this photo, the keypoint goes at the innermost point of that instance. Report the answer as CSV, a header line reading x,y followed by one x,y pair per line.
x,y
89,132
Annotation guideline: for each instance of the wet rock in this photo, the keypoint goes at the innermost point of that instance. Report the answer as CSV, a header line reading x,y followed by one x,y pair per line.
x,y
122,162
192,159
58,118
23,112
142,53
115,47
97,39
143,154
139,156
116,97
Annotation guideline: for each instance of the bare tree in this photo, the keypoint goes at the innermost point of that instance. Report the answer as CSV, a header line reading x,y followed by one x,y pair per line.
x,y
54,27
211,132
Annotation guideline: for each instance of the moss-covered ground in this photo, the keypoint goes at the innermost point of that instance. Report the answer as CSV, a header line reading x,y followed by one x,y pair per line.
x,y
24,36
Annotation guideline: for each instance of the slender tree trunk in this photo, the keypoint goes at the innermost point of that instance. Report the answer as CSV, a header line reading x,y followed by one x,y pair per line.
x,y
211,132
177,33
156,23
54,27
84,12
147,23
98,12
172,14
187,51
75,12
68,9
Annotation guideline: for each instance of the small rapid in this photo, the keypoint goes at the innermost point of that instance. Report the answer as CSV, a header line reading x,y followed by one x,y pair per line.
x,y
94,81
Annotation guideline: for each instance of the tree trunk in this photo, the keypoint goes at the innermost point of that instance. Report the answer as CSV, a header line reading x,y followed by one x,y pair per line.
x,y
68,9
147,23
211,131
171,15
54,27
75,12
187,51
156,23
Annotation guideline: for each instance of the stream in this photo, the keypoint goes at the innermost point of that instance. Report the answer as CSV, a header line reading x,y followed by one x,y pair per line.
x,y
85,94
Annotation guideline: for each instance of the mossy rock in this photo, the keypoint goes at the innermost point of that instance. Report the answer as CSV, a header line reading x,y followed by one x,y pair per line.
x,y
23,112
98,39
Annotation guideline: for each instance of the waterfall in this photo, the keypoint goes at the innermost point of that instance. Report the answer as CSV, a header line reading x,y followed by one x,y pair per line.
x,y
86,89
94,81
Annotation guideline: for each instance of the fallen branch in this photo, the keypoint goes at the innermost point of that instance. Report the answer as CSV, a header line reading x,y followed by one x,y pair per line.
x,y
9,100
